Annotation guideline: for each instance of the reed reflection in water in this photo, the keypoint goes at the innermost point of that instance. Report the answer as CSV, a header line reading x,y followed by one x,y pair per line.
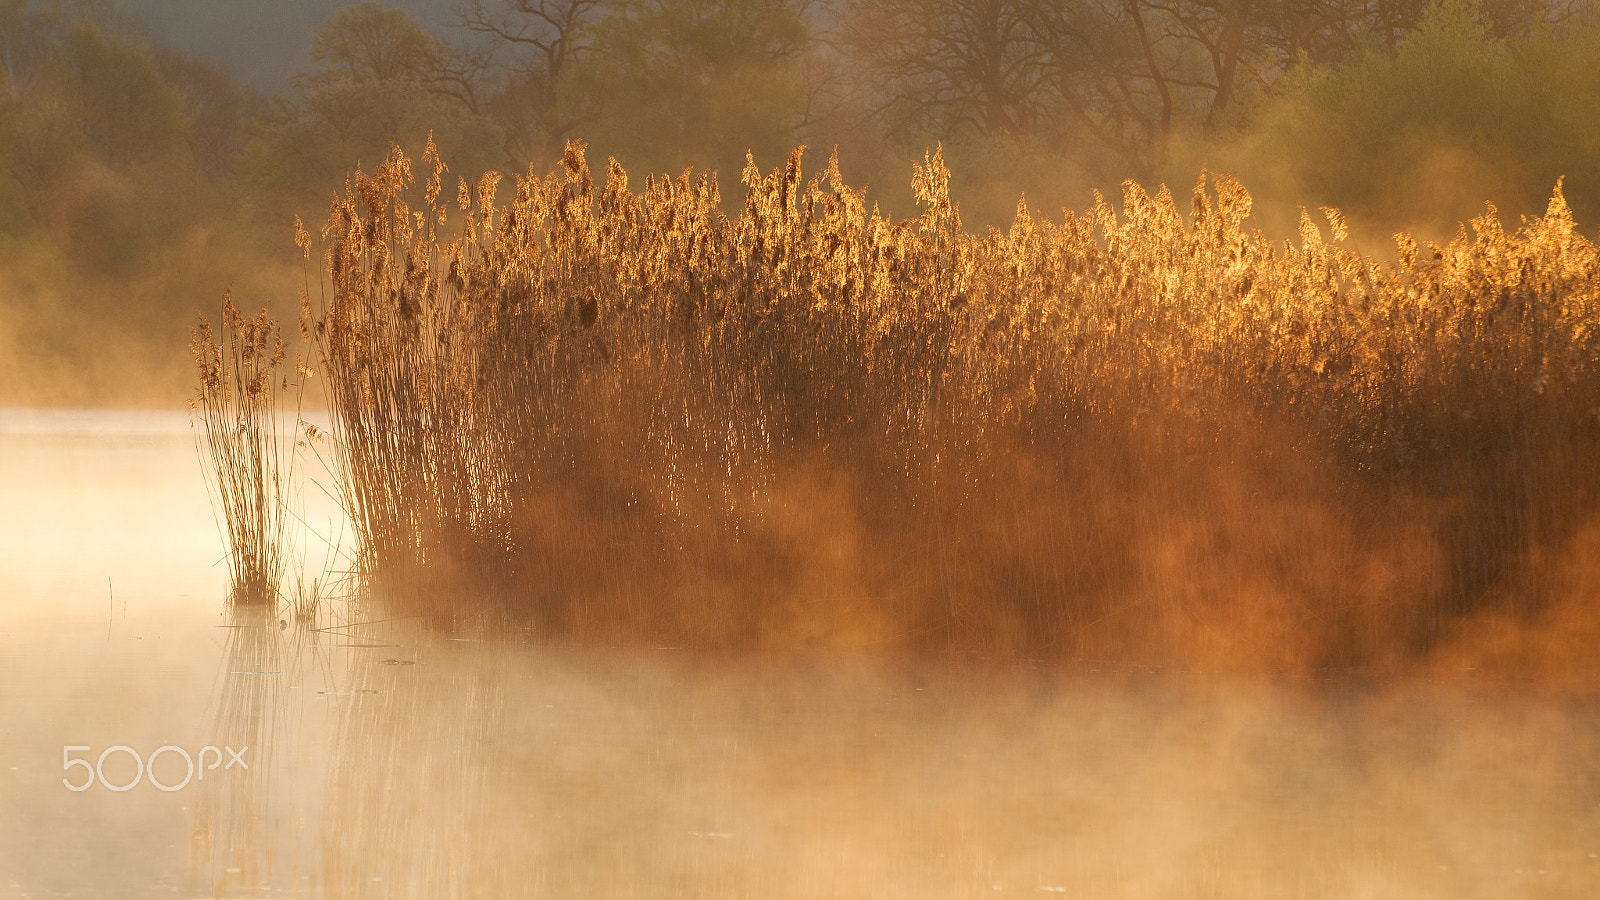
x,y
496,768
465,768
233,841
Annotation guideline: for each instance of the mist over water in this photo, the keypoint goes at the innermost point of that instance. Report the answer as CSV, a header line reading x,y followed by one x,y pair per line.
x,y
390,760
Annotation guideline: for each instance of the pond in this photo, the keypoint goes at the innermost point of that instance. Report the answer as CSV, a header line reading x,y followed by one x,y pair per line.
x,y
152,744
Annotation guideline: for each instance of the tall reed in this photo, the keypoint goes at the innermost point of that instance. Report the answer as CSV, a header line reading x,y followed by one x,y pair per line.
x,y
628,415
236,427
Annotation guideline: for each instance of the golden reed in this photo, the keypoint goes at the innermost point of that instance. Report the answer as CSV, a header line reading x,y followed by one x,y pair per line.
x,y
626,416
236,426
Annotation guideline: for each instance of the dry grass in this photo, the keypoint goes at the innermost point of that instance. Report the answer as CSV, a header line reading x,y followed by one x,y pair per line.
x,y
237,434
624,416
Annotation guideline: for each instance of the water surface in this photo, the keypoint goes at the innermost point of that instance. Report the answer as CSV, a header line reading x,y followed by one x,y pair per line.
x,y
389,762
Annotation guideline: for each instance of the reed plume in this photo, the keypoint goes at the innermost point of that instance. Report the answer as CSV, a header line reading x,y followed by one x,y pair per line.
x,y
629,415
236,428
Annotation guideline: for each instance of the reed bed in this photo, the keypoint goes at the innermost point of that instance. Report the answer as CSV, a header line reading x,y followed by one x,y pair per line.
x,y
237,436
628,417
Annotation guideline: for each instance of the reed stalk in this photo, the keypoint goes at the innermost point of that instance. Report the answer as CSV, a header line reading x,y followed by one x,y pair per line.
x,y
617,413
237,437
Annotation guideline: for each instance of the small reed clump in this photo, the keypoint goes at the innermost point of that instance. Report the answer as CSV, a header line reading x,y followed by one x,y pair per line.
x,y
237,435
628,416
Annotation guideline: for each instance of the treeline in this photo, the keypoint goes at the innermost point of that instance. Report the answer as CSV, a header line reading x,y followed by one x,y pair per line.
x,y
136,181
120,206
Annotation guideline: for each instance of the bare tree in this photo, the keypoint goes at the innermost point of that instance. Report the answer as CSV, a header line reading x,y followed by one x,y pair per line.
x,y
549,38
1129,74
370,43
949,65
25,36
466,76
